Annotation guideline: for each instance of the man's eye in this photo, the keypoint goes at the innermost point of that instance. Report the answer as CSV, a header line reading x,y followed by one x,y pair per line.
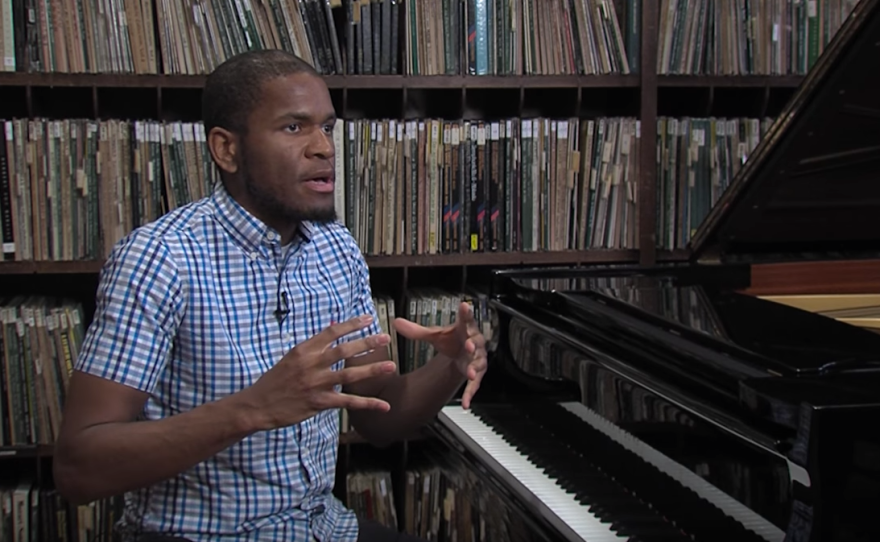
x,y
293,127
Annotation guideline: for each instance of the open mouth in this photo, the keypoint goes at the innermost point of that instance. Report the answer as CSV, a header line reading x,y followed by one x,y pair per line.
x,y
321,184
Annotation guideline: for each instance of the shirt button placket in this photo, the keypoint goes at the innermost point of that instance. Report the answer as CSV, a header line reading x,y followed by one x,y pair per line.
x,y
305,456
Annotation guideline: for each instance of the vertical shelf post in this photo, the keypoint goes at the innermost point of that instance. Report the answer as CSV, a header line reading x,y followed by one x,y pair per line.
x,y
646,208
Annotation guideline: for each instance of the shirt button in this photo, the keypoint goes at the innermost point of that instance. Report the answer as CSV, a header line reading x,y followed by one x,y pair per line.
x,y
270,236
252,255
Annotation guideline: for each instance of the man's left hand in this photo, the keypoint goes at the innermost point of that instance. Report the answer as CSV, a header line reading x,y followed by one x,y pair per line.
x,y
461,342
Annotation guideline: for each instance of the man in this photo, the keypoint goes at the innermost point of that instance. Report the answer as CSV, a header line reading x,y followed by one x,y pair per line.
x,y
229,332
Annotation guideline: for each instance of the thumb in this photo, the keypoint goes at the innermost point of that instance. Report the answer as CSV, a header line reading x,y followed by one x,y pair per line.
x,y
411,330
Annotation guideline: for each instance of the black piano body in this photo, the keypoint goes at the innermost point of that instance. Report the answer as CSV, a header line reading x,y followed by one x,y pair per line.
x,y
667,402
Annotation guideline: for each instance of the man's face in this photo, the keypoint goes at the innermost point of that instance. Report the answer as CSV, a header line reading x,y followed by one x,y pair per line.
x,y
287,155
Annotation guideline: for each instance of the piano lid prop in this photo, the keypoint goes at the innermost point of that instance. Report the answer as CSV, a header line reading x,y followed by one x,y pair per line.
x,y
810,188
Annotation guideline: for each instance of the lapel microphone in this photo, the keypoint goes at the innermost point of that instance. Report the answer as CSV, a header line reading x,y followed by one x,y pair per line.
x,y
281,309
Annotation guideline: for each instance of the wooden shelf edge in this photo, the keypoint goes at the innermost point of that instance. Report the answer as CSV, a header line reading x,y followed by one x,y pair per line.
x,y
731,81
51,267
114,80
109,80
421,260
27,450
677,255
46,450
504,258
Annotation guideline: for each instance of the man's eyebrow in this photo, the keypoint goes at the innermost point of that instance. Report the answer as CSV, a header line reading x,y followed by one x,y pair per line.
x,y
305,117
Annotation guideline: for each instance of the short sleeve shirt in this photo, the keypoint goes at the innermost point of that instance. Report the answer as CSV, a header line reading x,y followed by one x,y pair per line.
x,y
186,311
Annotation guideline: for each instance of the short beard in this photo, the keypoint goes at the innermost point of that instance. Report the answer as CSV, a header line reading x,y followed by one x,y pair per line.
x,y
275,210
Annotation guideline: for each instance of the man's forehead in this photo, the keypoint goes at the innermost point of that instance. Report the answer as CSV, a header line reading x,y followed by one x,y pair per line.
x,y
296,84
297,98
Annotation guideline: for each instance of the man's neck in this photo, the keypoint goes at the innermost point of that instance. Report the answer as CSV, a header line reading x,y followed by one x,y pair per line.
x,y
286,231
287,236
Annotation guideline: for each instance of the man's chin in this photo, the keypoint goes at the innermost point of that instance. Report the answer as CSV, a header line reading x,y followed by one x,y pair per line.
x,y
325,218
318,215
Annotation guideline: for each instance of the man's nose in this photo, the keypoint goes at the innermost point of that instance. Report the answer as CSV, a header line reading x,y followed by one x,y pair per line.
x,y
321,145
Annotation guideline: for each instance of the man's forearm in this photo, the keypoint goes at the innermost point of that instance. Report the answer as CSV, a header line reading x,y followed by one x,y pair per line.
x,y
415,398
111,458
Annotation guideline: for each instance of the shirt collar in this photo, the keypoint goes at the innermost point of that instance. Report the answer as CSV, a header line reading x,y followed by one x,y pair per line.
x,y
247,230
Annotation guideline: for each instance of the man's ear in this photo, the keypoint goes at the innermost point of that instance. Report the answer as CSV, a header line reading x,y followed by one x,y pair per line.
x,y
225,149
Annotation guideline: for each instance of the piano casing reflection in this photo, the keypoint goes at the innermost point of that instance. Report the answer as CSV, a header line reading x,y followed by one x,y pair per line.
x,y
669,403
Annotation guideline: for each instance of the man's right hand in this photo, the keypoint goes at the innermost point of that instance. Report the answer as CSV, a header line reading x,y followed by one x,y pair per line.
x,y
302,383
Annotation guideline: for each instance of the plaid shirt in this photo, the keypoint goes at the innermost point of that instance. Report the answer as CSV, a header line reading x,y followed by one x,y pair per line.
x,y
185,312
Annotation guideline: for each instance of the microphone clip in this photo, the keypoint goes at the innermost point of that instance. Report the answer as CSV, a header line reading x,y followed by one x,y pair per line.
x,y
282,309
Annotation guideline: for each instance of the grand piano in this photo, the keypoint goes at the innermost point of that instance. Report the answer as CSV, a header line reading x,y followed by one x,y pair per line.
x,y
670,403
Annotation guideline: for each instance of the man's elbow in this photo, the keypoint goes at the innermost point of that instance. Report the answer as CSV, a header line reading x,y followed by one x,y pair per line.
x,y
70,480
379,441
373,428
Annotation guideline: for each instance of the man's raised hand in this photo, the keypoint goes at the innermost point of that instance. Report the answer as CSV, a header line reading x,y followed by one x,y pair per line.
x,y
302,383
461,342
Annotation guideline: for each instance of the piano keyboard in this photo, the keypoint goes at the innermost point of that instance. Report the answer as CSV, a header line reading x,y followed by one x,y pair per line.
x,y
575,476
559,508
730,506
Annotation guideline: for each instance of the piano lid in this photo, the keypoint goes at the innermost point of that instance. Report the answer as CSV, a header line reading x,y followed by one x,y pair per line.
x,y
812,185
696,311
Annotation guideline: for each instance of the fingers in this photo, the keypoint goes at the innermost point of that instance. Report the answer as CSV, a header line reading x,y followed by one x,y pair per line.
x,y
336,331
353,348
362,372
474,341
412,330
351,402
466,324
465,314
474,373
477,367
357,402
469,391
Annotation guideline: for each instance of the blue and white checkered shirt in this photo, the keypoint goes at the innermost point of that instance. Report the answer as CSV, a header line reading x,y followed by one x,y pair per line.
x,y
185,312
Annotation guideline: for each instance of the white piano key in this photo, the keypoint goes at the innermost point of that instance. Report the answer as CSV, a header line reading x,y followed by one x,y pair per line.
x,y
563,511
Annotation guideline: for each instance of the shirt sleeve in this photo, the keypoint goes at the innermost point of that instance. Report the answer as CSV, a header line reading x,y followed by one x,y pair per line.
x,y
138,309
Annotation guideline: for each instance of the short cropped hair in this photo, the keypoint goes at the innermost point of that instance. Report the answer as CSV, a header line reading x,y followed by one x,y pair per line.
x,y
232,90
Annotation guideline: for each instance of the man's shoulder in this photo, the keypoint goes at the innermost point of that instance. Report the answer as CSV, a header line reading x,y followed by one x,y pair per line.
x,y
335,238
182,221
157,243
